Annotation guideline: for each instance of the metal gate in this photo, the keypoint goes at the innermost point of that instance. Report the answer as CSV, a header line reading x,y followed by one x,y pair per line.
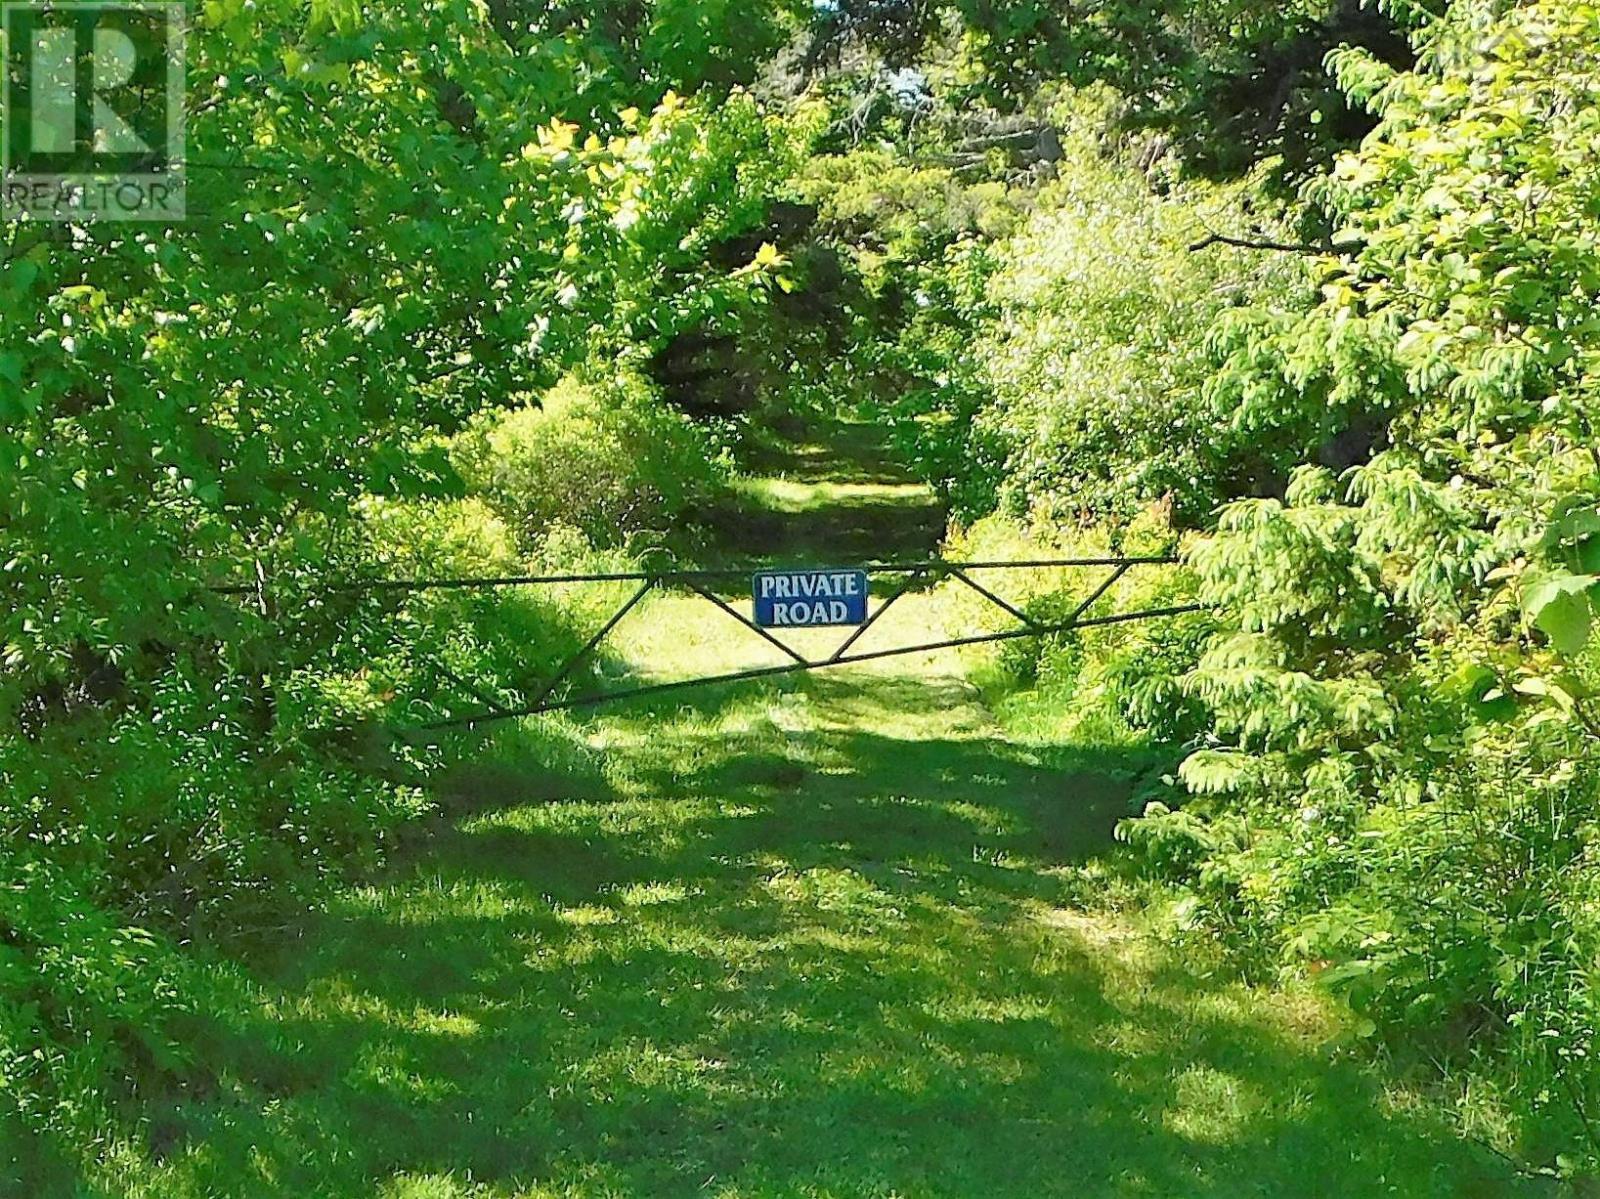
x,y
908,575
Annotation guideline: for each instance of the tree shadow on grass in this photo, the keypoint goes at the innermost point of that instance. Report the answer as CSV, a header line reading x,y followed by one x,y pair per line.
x,y
32,1165
858,451
841,499
826,962
863,525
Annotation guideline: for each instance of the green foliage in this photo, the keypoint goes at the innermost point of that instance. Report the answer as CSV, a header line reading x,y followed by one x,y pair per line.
x,y
396,226
916,237
1115,685
1399,697
86,1002
219,392
609,460
601,55
1063,363
1229,85
941,386
880,201
1098,362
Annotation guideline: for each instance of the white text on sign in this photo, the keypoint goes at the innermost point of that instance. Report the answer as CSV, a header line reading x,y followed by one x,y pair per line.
x,y
809,598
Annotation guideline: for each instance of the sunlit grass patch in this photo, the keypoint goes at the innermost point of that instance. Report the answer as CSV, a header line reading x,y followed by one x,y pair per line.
x,y
1211,1105
588,915
840,892
653,894
432,1186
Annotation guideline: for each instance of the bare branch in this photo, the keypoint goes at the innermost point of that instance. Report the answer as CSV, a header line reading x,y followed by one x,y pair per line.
x,y
1250,243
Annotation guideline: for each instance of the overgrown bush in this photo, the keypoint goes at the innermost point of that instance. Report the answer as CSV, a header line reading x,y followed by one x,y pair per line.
x,y
1110,685
1098,362
1061,365
609,459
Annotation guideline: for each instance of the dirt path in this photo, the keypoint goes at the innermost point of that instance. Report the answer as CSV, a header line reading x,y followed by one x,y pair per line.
x,y
809,939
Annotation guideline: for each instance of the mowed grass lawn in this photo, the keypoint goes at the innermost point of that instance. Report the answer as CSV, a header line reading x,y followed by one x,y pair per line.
x,y
811,940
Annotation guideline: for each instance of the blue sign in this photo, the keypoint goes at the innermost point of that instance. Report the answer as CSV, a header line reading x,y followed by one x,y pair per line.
x,y
788,599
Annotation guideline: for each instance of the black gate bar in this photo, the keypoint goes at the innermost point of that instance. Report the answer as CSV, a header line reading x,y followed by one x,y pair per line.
x,y
592,644
681,576
861,629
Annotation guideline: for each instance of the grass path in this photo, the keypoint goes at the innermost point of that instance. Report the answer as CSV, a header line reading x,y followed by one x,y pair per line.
x,y
805,939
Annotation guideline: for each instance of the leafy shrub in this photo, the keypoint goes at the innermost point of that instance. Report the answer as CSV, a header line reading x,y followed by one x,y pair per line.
x,y
1099,362
84,1003
1173,843
877,200
1066,371
609,460
1117,684
175,821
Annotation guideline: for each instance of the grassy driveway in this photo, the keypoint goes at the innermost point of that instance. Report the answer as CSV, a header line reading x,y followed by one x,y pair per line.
x,y
808,939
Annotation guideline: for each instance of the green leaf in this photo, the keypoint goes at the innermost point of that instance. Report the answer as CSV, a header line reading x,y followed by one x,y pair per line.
x,y
1471,682
1548,689
1560,607
1588,555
